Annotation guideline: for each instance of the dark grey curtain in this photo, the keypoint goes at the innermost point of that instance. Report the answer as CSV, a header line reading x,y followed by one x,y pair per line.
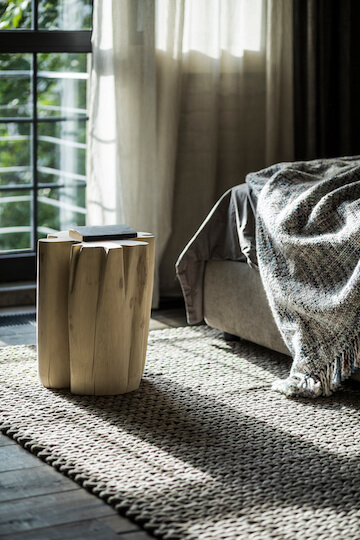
x,y
327,78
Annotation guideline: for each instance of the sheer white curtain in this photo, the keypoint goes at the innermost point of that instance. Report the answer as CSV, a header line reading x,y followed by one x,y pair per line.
x,y
186,97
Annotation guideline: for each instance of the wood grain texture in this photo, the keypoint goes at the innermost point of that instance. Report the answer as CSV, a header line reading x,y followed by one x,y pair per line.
x,y
54,506
93,308
30,482
150,239
91,529
83,530
14,457
109,314
6,441
50,510
52,311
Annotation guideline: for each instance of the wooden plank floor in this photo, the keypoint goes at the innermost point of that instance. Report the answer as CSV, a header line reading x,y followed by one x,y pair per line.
x,y
36,501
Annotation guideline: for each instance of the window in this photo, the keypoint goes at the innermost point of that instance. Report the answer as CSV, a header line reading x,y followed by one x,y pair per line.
x,y
44,56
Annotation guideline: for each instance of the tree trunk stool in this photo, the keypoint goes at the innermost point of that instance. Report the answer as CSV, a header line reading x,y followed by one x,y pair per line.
x,y
52,311
106,311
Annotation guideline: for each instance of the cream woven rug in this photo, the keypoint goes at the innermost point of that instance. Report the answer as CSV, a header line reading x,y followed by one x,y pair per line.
x,y
204,449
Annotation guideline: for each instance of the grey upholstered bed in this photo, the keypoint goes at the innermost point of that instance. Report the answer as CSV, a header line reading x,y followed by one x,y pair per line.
x,y
219,277
235,302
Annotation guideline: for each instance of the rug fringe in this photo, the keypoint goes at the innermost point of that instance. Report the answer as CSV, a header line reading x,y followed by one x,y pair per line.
x,y
327,381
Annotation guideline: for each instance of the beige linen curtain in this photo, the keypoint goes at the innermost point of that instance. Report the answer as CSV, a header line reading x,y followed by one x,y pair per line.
x,y
186,98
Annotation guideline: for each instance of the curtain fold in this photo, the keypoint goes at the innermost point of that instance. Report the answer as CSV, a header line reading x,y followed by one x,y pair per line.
x,y
326,78
186,98
279,82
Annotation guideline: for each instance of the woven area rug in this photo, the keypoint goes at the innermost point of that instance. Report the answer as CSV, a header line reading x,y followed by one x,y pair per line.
x,y
204,449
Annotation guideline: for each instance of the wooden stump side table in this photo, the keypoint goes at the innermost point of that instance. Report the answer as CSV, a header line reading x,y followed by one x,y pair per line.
x,y
52,311
94,310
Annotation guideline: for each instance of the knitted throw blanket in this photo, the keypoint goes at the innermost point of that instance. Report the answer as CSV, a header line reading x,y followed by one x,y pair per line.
x,y
308,247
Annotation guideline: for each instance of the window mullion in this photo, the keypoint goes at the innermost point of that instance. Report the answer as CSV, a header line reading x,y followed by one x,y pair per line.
x,y
34,7
34,213
45,41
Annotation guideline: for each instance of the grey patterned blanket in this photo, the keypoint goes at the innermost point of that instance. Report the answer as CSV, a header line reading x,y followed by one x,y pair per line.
x,y
308,248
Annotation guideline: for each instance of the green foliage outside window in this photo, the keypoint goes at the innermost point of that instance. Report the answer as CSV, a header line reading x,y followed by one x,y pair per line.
x,y
54,139
15,14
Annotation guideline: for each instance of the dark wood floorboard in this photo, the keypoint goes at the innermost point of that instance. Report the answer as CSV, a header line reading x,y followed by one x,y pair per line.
x,y
6,441
39,503
51,510
15,457
87,530
32,482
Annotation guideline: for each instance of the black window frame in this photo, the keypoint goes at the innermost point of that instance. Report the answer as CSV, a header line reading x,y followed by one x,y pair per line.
x,y
21,266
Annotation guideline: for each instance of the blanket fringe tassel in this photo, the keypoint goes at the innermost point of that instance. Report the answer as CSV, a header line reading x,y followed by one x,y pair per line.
x,y
327,381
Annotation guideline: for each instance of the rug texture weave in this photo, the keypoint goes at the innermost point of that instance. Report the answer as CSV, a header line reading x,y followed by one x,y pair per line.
x,y
204,449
